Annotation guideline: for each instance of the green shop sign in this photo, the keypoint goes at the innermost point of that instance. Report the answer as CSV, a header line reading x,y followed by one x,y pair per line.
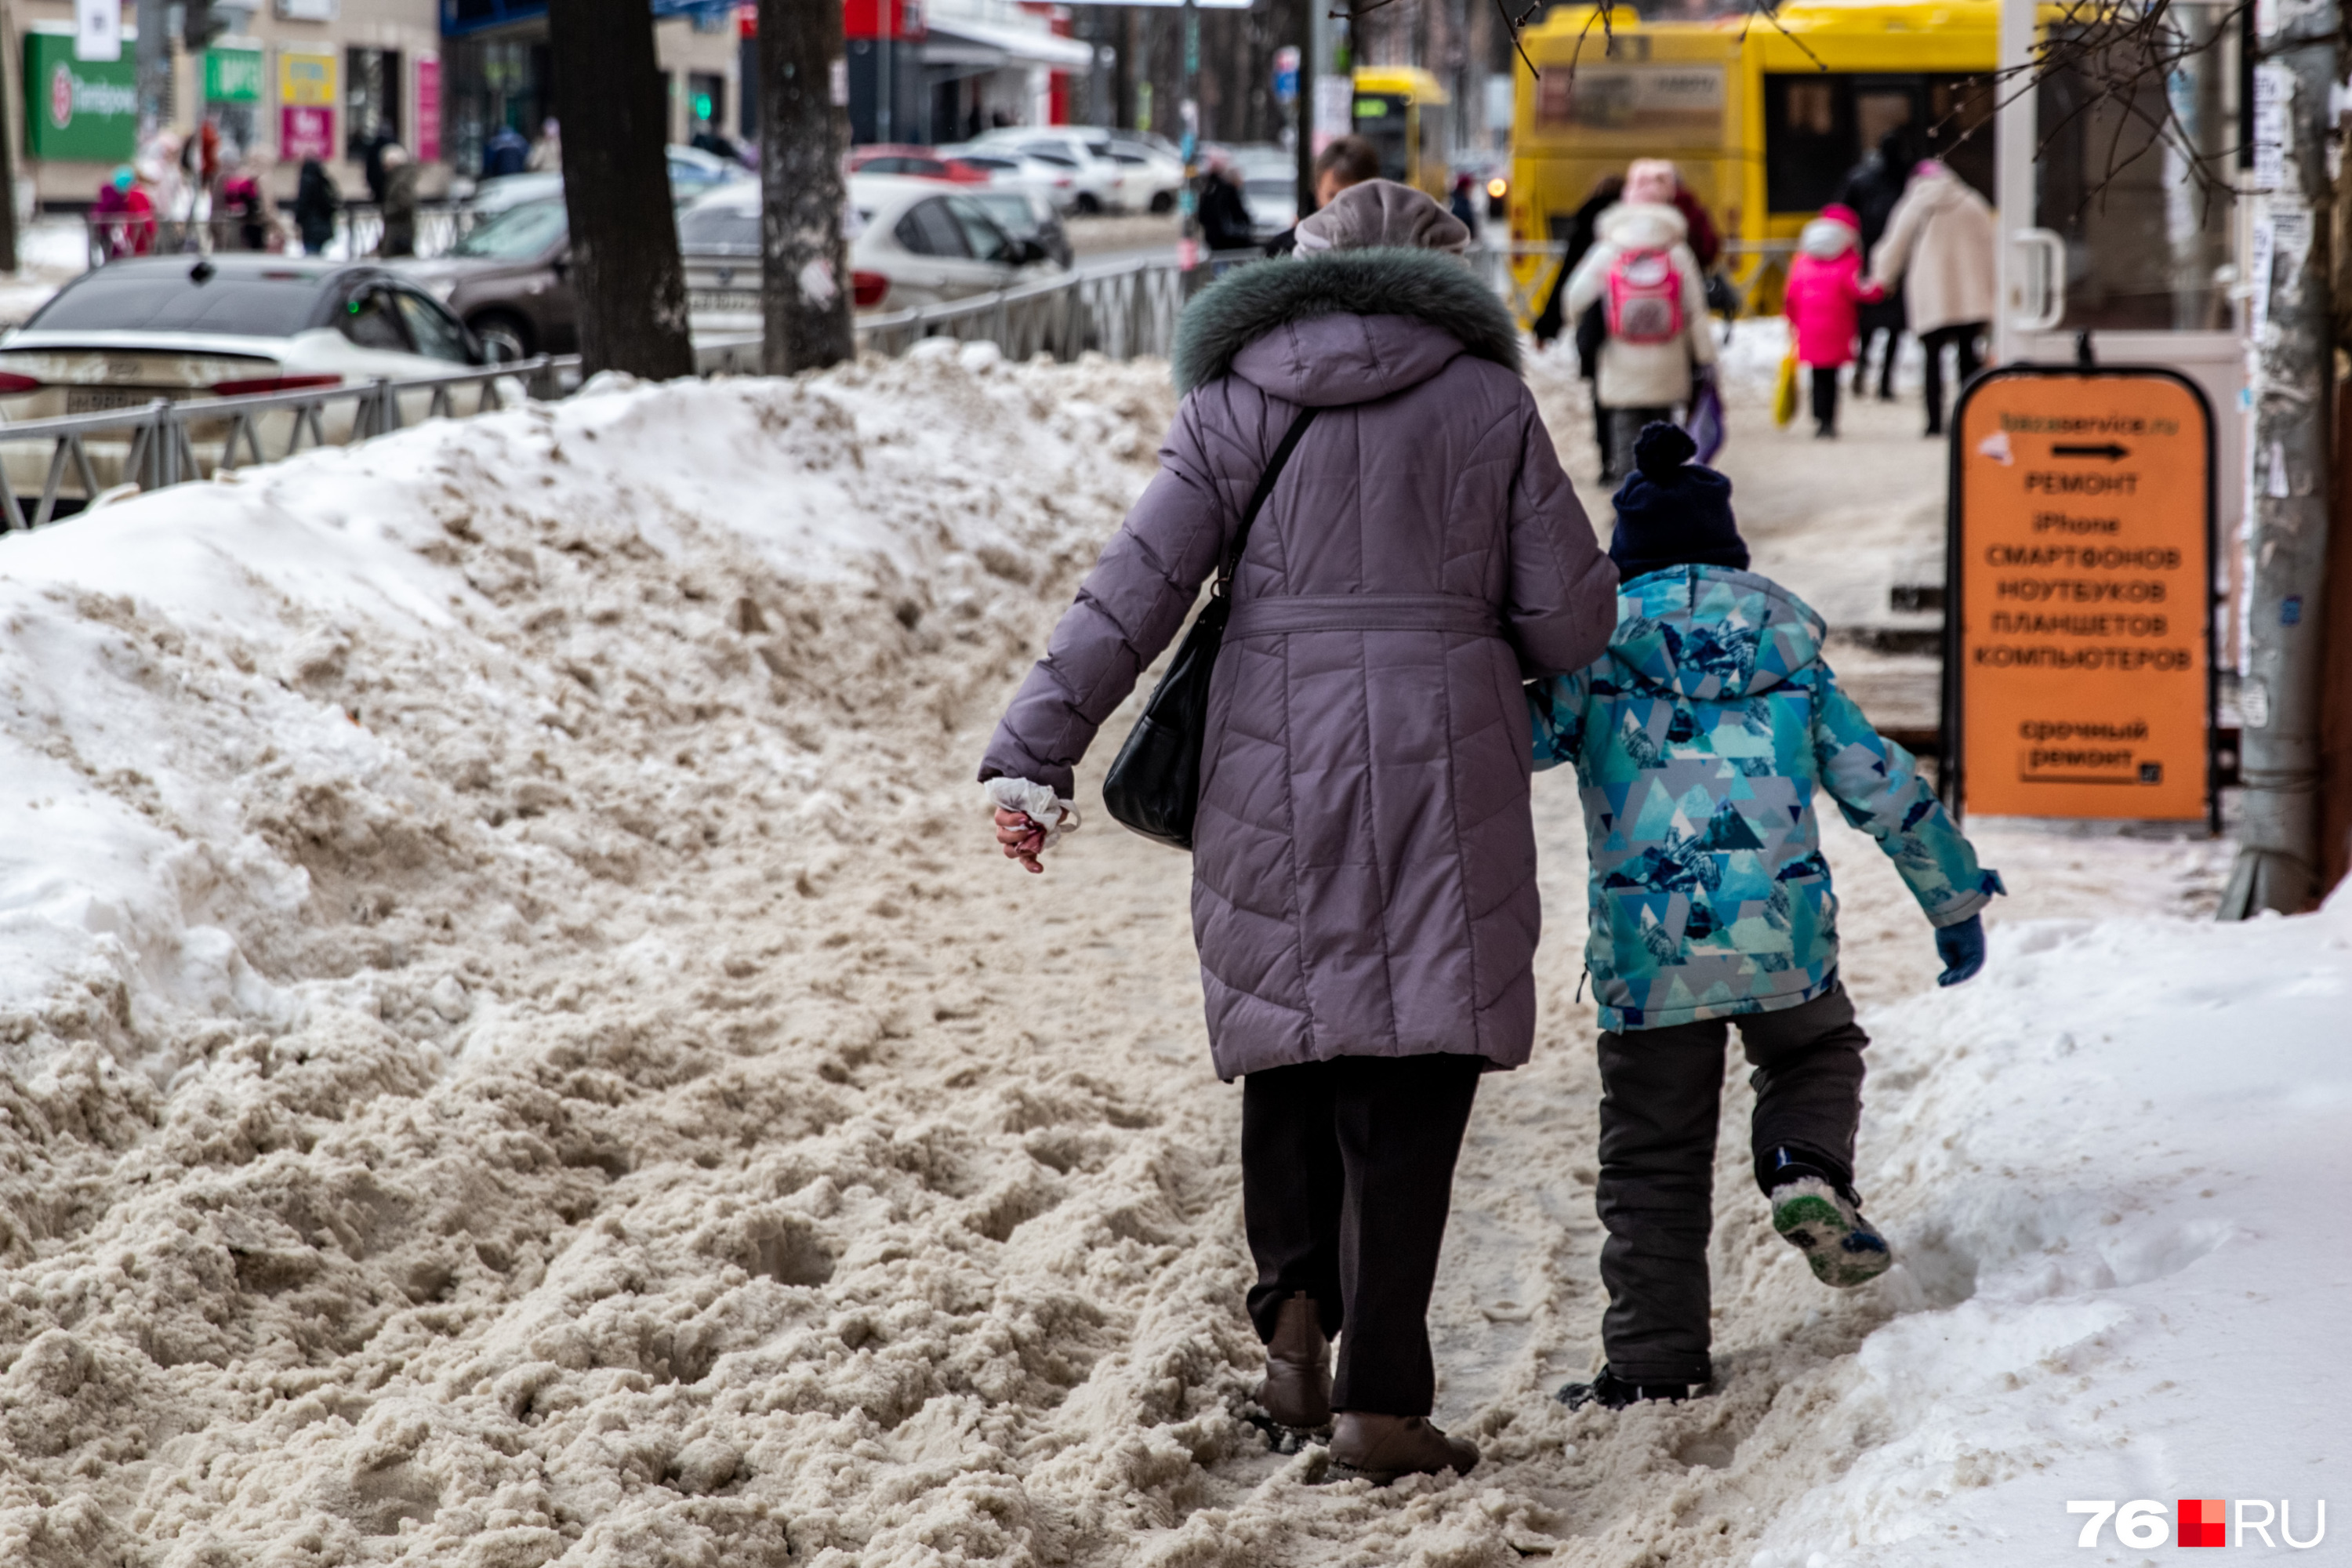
x,y
233,76
82,109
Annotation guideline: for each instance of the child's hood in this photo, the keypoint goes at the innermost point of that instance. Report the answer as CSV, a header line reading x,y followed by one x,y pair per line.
x,y
1641,225
1825,240
1712,633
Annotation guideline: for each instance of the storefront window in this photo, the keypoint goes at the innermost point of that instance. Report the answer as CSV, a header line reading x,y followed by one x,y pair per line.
x,y
371,100
490,82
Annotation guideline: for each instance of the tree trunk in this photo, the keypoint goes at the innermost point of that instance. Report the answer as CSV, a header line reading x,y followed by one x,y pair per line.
x,y
8,167
2286,536
804,300
624,265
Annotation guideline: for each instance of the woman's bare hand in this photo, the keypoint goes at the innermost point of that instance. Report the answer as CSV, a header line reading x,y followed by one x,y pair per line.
x,y
1021,837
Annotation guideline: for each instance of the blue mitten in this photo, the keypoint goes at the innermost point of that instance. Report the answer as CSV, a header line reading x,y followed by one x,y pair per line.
x,y
1962,949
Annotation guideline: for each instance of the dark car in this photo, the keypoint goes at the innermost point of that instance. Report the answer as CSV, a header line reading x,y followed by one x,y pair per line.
x,y
509,278
1025,214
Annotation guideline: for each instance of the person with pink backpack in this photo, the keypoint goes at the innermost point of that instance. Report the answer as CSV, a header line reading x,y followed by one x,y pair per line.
x,y
1823,302
1653,297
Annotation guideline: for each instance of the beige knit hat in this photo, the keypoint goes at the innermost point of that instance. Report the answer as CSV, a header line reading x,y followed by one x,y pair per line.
x,y
1382,213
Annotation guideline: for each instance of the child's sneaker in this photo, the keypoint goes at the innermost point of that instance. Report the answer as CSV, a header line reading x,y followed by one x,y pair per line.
x,y
1612,1392
1827,1227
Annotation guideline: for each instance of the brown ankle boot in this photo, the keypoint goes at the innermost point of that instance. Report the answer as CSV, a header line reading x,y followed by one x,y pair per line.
x,y
1297,1388
1381,1448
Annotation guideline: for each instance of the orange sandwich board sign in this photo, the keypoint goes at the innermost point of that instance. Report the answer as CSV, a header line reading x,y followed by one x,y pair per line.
x,y
2078,659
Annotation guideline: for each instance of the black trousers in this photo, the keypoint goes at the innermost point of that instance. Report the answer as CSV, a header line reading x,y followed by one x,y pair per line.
x,y
1884,319
1825,391
1961,339
1660,1092
1347,1176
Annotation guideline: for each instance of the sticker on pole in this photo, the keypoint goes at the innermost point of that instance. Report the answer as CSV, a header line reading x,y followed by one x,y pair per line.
x,y
2078,656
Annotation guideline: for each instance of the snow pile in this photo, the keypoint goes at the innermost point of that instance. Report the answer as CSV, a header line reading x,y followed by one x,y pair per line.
x,y
452,891
2119,1166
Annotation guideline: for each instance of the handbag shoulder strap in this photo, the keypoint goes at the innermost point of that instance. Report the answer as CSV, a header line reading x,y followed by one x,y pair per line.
x,y
1282,451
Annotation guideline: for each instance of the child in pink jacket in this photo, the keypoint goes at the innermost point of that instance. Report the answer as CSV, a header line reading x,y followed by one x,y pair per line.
x,y
1823,301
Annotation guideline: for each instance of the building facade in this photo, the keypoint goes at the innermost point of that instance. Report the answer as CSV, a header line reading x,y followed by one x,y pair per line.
x,y
324,79
499,72
295,79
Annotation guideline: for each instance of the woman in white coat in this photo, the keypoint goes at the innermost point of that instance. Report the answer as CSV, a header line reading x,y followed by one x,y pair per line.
x,y
1653,301
1940,243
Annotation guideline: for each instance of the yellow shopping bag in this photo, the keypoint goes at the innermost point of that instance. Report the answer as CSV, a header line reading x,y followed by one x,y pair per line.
x,y
1784,391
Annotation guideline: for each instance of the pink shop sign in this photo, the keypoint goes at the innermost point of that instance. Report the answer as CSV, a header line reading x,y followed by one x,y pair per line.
x,y
428,108
305,130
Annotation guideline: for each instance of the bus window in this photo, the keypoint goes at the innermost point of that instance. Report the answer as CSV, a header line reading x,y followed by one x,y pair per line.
x,y
1817,128
1380,120
1809,140
1879,109
1960,127
1672,106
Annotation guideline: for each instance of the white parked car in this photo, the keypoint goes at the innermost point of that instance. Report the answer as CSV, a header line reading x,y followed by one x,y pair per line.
x,y
193,329
913,242
1010,169
1153,177
692,173
1103,183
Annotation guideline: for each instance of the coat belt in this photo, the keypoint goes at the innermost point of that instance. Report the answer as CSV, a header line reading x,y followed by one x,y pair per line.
x,y
1363,613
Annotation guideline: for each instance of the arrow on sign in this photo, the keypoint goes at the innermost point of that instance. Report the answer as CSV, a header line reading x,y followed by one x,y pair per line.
x,y
2111,452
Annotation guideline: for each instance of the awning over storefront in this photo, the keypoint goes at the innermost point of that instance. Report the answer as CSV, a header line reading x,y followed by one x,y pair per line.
x,y
954,41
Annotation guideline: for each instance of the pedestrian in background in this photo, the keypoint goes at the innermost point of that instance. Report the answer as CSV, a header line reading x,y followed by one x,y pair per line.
x,y
1589,330
372,168
316,201
1940,246
547,152
1349,160
1225,222
1871,189
124,217
248,222
400,176
1823,302
506,152
1658,335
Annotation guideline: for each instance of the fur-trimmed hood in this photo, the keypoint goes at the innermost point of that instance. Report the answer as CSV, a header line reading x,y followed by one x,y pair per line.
x,y
1344,327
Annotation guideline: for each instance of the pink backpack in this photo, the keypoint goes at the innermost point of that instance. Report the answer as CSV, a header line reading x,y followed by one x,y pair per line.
x,y
1645,297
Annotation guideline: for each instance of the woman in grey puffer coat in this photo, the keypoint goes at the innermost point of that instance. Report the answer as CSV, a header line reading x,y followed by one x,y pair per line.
x,y
1364,896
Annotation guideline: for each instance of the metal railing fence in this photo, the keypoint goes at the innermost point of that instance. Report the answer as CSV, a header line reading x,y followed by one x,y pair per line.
x,y
169,442
1122,312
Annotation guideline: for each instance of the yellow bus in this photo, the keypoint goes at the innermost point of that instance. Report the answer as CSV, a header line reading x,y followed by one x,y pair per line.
x,y
1408,117
1762,121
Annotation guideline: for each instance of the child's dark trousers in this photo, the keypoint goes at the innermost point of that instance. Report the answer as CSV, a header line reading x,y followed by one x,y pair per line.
x,y
1660,1095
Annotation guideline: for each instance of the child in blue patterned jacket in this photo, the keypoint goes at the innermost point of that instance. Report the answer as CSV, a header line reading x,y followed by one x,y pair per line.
x,y
1699,741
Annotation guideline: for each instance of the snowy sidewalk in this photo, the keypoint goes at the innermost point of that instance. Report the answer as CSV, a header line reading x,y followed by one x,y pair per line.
x,y
518,1049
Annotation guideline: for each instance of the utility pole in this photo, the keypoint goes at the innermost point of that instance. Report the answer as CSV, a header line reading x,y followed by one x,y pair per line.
x,y
804,279
2286,522
152,69
1188,200
1309,66
624,262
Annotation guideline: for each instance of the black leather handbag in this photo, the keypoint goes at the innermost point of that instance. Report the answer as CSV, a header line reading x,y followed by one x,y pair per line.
x,y
1154,785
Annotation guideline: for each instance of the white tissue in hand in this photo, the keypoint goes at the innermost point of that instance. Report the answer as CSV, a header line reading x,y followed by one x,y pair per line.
x,y
1037,803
